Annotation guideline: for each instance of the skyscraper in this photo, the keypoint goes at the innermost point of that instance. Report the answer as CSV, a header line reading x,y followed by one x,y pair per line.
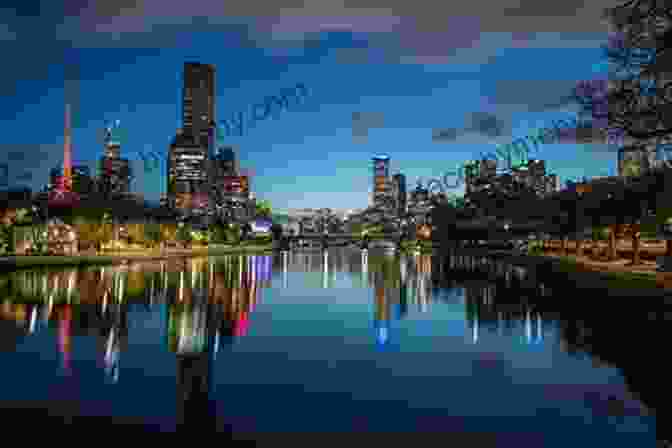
x,y
114,171
382,187
189,169
399,181
198,101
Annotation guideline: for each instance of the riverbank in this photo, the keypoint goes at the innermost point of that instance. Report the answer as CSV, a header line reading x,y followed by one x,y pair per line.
x,y
28,261
578,275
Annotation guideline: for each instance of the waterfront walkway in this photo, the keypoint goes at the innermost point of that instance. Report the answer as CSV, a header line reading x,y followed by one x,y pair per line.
x,y
110,257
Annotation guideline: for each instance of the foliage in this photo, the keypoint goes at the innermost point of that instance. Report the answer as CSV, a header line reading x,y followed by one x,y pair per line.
x,y
169,232
136,233
88,231
636,102
200,236
218,233
233,233
184,233
152,233
600,233
263,208
6,238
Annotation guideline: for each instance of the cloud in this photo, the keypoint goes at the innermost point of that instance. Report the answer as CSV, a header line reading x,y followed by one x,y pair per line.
x,y
487,124
362,122
537,95
447,134
424,29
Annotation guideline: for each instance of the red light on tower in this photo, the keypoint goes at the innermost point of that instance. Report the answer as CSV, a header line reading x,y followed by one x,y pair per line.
x,y
67,152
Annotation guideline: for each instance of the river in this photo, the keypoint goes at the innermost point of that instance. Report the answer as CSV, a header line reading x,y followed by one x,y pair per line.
x,y
488,354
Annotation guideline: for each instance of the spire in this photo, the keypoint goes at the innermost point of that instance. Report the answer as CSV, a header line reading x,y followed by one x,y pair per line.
x,y
67,152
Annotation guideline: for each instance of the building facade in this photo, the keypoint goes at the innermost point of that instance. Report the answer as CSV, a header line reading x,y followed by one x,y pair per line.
x,y
114,172
400,195
198,102
188,186
383,195
82,182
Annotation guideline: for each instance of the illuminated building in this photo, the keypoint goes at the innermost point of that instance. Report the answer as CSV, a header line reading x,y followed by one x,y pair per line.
x,y
82,181
190,169
62,194
187,174
383,196
114,171
225,162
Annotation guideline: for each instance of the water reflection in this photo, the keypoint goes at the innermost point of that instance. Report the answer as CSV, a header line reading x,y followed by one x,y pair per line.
x,y
209,305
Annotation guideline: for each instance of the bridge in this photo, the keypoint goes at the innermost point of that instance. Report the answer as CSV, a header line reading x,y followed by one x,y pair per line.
x,y
342,239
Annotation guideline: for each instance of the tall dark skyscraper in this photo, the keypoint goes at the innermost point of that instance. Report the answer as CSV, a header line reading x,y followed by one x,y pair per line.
x,y
198,100
399,182
188,161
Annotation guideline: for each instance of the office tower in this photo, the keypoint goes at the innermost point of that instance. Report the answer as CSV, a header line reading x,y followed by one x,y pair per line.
x,y
198,101
400,193
114,171
225,162
382,187
190,173
187,174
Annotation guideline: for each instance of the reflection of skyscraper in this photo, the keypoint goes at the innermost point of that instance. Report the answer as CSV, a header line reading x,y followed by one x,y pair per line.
x,y
382,311
193,387
192,337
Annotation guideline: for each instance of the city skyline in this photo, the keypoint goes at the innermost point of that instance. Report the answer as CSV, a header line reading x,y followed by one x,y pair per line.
x,y
309,157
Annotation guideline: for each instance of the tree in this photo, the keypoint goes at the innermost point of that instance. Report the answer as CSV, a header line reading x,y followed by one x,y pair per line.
x,y
169,231
233,233
637,102
184,233
152,233
263,209
136,233
87,230
218,233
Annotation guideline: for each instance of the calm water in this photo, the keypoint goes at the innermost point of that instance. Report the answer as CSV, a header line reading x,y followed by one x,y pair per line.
x,y
304,343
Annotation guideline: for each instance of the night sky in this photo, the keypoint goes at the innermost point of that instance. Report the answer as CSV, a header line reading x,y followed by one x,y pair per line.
x,y
381,79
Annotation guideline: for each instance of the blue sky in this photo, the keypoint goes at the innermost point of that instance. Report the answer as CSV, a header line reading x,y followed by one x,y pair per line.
x,y
408,72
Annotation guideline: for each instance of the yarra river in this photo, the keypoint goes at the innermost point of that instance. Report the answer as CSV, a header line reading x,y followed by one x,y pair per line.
x,y
488,354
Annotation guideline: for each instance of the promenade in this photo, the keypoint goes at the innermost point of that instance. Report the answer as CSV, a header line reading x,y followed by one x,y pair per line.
x,y
118,257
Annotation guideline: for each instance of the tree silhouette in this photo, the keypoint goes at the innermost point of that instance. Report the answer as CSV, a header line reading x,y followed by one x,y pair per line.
x,y
637,100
